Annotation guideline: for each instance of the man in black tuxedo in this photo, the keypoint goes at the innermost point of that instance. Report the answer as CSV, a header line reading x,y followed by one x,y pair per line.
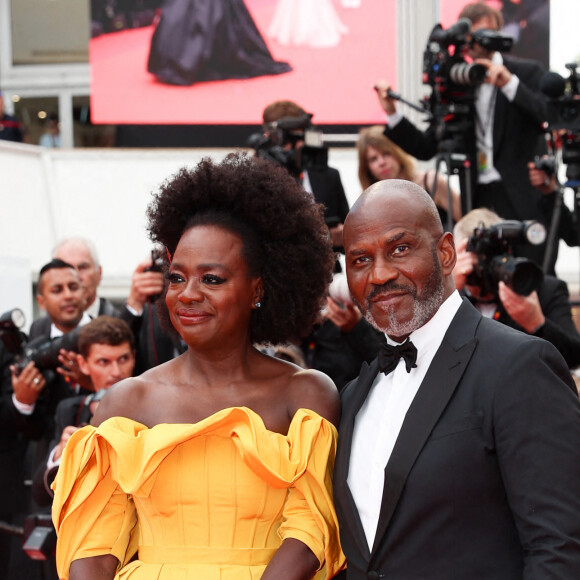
x,y
506,135
464,461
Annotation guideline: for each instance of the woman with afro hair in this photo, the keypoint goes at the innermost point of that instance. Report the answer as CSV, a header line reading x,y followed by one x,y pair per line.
x,y
216,464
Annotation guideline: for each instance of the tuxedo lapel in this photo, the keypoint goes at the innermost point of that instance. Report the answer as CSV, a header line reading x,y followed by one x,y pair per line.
x,y
353,399
435,391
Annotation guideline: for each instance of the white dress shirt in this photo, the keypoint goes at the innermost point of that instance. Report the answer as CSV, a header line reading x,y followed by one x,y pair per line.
x,y
378,422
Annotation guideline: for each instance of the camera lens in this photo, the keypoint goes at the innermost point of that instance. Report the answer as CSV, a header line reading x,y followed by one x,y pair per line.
x,y
467,74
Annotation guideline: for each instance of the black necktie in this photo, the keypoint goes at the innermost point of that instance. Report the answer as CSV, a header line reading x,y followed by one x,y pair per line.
x,y
389,356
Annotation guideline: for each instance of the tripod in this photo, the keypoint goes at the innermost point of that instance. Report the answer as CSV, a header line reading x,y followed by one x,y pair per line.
x,y
456,164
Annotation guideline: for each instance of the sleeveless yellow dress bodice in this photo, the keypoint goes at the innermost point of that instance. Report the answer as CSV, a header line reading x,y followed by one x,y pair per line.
x,y
210,500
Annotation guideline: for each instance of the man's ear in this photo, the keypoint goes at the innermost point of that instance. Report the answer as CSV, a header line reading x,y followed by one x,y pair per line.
x,y
446,252
41,301
83,365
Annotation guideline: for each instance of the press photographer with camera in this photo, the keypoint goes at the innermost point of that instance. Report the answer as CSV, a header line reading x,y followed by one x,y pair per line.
x,y
501,132
535,304
286,140
106,352
542,174
31,389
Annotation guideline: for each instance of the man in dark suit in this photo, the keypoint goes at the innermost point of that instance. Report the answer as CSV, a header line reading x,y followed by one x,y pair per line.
x,y
464,461
505,135
154,346
107,354
321,181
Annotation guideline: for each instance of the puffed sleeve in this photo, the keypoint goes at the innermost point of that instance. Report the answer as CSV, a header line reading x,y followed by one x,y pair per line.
x,y
309,514
91,514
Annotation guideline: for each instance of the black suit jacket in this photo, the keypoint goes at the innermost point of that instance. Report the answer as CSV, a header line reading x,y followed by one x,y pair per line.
x,y
483,480
327,189
16,430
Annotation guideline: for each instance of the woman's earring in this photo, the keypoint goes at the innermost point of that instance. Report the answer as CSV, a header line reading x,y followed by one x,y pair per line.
x,y
258,304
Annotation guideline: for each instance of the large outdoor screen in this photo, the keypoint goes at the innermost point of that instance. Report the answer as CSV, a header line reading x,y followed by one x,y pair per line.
x,y
179,61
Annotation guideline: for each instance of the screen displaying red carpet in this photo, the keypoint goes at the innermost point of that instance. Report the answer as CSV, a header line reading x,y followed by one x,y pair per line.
x,y
335,82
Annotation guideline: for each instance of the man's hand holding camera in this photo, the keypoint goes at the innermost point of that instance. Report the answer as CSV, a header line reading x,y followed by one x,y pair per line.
x,y
71,371
146,282
497,74
28,384
541,180
344,315
523,310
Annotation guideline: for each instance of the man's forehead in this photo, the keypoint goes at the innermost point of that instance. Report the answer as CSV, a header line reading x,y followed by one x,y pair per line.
x,y
60,276
75,252
101,349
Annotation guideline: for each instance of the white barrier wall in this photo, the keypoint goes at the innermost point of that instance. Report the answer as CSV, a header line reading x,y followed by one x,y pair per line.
x,y
102,194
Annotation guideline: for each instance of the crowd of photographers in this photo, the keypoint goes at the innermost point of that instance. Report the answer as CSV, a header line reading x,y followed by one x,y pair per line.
x,y
490,112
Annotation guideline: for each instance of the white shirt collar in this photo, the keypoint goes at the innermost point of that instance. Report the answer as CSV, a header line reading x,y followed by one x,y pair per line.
x,y
430,335
55,332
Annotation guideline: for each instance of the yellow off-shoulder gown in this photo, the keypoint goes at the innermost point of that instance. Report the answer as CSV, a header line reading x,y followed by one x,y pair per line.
x,y
205,501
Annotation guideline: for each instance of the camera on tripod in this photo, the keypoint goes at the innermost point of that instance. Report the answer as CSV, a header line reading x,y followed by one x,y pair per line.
x,y
563,114
278,143
495,261
453,79
44,353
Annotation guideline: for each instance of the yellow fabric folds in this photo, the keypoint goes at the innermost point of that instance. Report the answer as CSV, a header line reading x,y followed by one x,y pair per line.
x,y
208,500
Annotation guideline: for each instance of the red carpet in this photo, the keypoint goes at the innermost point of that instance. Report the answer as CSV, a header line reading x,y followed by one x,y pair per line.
x,y
334,83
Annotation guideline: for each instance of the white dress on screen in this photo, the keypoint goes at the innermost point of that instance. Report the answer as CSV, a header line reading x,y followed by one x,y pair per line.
x,y
312,23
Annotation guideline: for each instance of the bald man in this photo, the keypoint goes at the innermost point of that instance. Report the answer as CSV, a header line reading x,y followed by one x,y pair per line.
x,y
458,451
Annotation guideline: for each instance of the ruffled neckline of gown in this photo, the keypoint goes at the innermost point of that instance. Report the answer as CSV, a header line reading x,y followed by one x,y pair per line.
x,y
135,451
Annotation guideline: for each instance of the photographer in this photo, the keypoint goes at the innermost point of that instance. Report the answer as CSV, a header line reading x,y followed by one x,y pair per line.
x,y
154,346
506,119
546,313
316,177
107,354
543,177
16,430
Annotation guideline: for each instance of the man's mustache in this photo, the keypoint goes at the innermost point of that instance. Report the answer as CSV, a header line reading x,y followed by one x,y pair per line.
x,y
390,287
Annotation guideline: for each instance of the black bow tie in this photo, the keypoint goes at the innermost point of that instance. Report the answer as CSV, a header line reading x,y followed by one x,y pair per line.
x,y
389,356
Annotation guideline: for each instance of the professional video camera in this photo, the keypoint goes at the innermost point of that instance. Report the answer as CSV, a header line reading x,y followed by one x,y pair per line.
x,y
43,352
563,115
278,144
453,80
496,263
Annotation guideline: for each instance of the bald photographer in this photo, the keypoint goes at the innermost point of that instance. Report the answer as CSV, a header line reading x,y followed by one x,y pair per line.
x,y
510,290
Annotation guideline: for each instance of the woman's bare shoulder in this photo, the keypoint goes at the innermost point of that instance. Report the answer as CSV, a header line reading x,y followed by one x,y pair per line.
x,y
131,397
312,389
